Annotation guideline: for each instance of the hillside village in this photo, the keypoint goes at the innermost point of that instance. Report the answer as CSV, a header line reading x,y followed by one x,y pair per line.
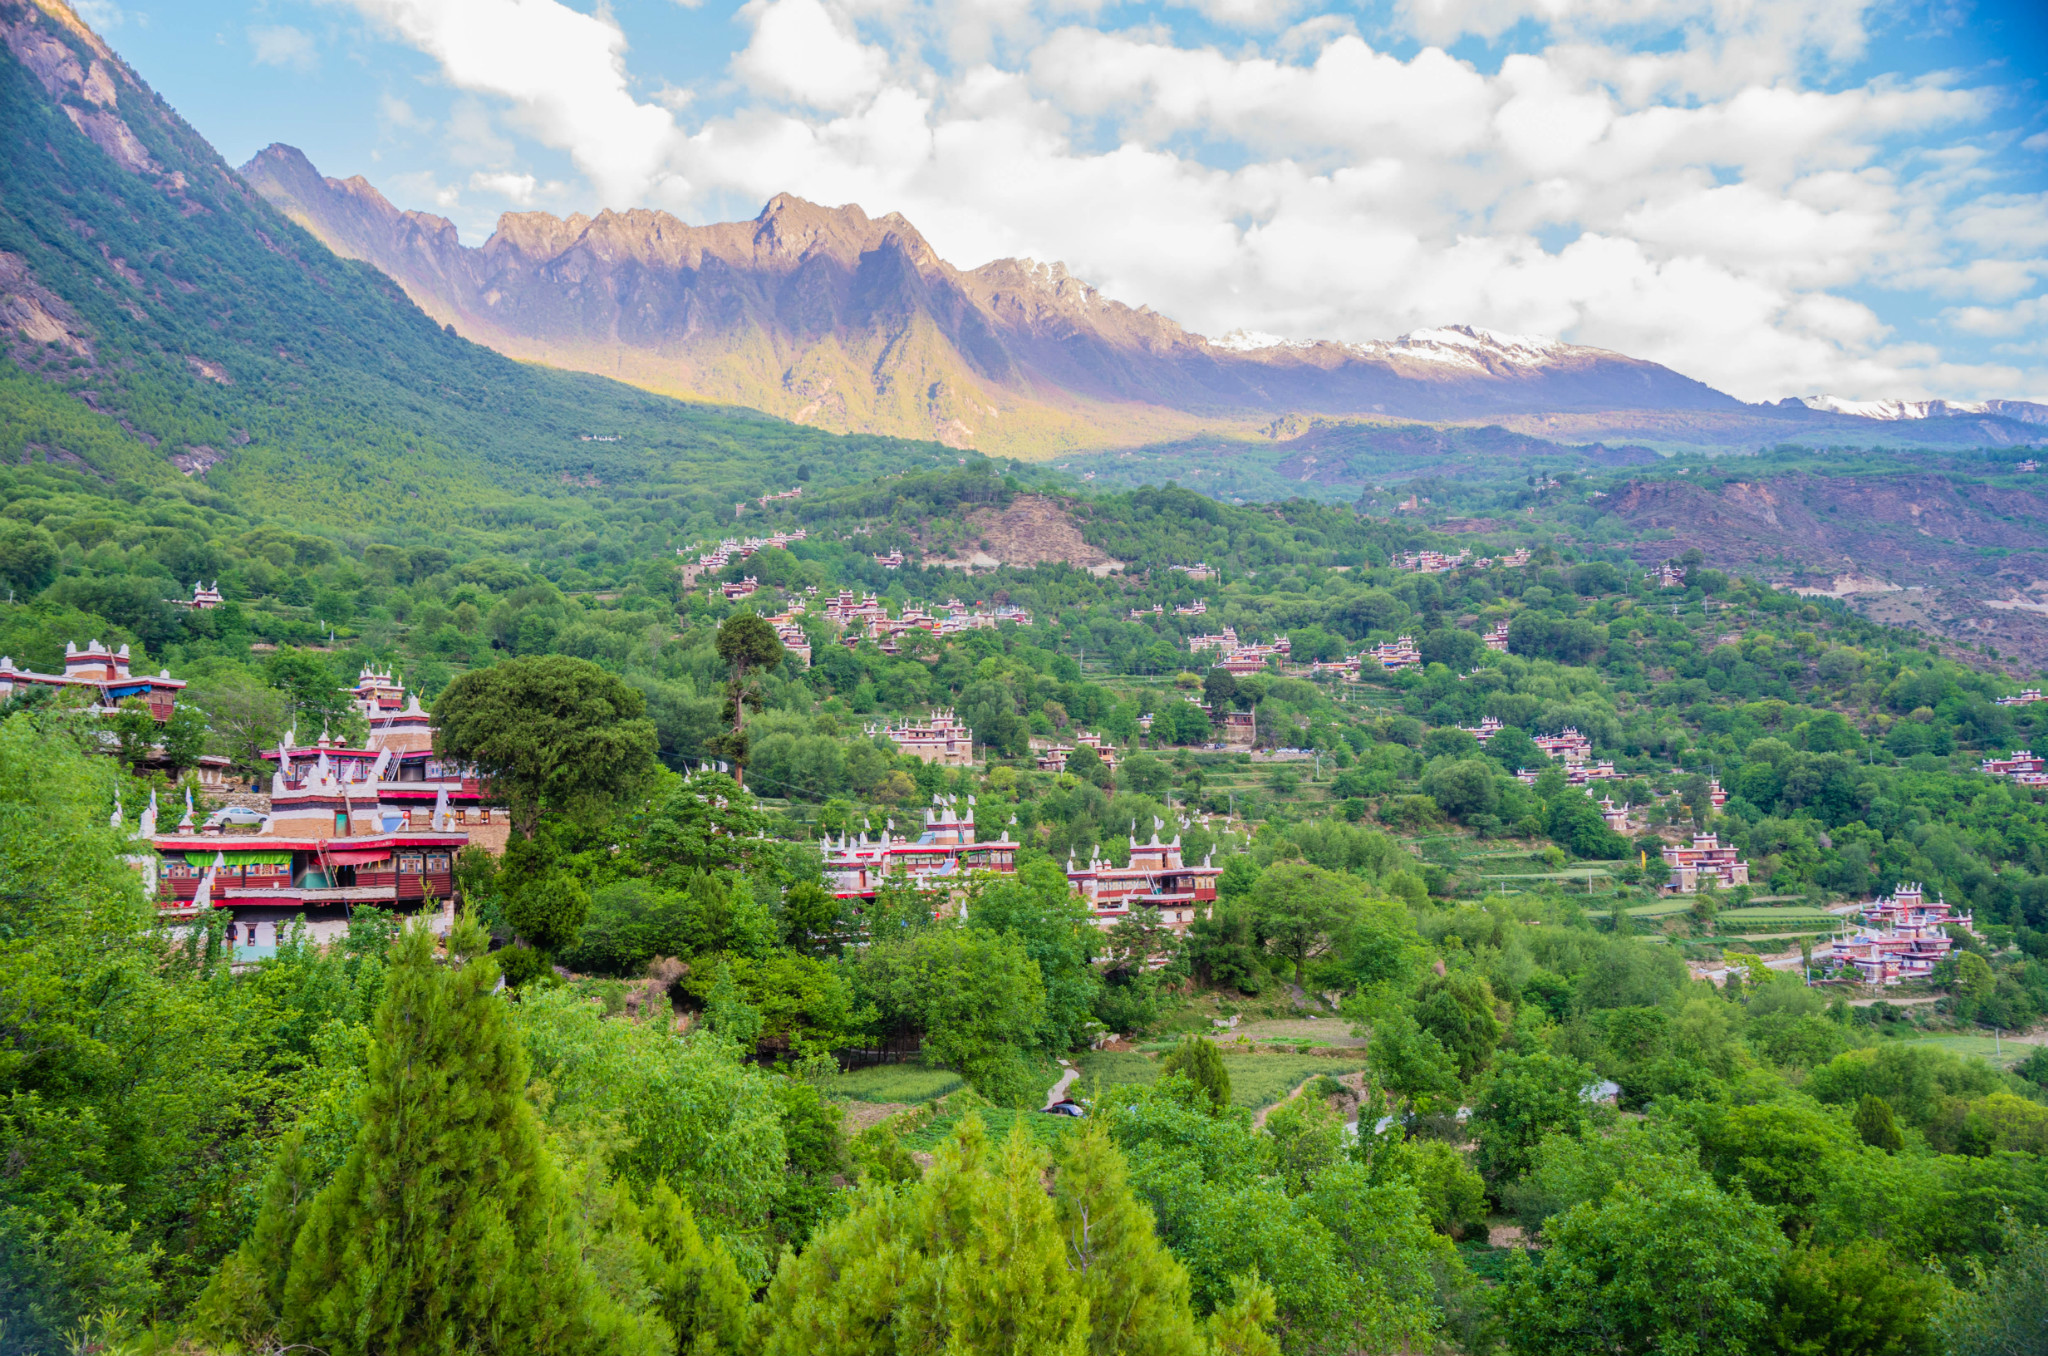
x,y
1360,816
497,859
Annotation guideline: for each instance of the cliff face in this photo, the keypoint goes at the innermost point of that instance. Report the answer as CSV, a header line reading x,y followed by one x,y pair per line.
x,y
827,316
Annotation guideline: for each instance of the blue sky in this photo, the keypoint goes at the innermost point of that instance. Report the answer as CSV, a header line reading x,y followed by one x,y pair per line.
x,y
1781,197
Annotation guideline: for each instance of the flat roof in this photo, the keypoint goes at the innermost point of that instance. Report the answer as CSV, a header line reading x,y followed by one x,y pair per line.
x,y
263,842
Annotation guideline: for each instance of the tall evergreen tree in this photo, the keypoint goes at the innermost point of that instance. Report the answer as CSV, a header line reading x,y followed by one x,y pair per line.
x,y
1137,1293
1198,1058
975,1259
448,1226
694,1285
967,1261
1877,1126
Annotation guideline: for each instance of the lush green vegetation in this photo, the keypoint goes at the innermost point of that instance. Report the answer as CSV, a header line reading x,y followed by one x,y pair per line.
x,y
688,1144
1497,946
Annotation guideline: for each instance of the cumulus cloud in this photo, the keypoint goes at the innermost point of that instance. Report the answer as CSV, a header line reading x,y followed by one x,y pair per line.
x,y
518,187
561,74
802,52
1711,203
283,45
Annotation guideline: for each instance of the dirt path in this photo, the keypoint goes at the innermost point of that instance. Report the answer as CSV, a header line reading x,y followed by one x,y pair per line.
x,y
1058,1092
1353,1081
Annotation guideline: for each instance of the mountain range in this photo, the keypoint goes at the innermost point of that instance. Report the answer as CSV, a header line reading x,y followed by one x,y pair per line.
x,y
825,316
301,343
165,328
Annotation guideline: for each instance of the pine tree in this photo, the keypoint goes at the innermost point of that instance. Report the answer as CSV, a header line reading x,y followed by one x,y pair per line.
x,y
975,1259
241,1304
967,1261
448,1227
1241,1328
1137,1292
1199,1059
1877,1126
696,1287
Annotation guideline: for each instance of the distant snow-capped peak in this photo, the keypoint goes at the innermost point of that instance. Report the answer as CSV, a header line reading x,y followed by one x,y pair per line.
x,y
1448,345
1892,411
1253,341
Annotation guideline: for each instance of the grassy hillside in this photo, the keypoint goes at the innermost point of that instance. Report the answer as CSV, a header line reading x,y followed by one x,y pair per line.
x,y
202,332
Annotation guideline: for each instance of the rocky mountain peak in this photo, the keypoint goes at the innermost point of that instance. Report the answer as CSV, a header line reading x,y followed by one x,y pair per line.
x,y
790,229
828,315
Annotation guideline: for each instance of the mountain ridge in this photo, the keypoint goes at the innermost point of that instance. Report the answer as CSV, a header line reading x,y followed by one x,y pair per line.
x,y
167,330
829,316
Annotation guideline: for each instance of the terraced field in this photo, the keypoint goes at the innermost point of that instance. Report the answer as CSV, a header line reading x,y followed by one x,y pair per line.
x,y
1256,1080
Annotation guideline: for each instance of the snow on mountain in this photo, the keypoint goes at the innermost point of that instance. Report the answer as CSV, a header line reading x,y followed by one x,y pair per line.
x,y
1253,341
1892,411
1466,346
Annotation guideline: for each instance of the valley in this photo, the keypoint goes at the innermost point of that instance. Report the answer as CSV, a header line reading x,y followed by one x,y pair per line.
x,y
555,797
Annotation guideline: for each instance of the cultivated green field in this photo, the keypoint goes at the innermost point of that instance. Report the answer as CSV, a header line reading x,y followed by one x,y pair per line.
x,y
2003,1053
912,1083
1255,1080
999,1120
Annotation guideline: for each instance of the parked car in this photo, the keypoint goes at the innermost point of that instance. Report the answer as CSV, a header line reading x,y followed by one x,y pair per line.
x,y
1074,1109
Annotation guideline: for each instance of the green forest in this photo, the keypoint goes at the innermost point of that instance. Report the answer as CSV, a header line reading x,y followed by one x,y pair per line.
x,y
1362,1105
1443,1068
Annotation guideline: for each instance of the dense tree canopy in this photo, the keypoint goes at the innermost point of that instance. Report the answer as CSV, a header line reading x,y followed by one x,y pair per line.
x,y
549,732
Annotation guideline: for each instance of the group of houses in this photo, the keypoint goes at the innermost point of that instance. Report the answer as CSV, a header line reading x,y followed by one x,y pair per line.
x,y
1198,608
342,827
868,619
1436,562
1897,937
731,549
1433,562
948,849
1054,758
2023,766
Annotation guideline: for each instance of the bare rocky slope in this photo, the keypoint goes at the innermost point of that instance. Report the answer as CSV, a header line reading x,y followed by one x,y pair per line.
x,y
826,316
1938,552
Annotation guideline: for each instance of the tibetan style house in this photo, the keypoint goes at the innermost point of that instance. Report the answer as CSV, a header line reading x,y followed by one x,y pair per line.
x,y
328,845
1155,878
941,857
103,676
379,825
942,740
1903,936
1706,860
105,679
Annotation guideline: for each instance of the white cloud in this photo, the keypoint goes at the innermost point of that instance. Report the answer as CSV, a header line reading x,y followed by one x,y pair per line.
x,y
802,52
518,187
103,15
1247,14
397,112
562,74
283,45
2030,316
473,137
1707,204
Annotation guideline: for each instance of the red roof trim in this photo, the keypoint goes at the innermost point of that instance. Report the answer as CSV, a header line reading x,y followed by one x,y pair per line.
x,y
359,843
